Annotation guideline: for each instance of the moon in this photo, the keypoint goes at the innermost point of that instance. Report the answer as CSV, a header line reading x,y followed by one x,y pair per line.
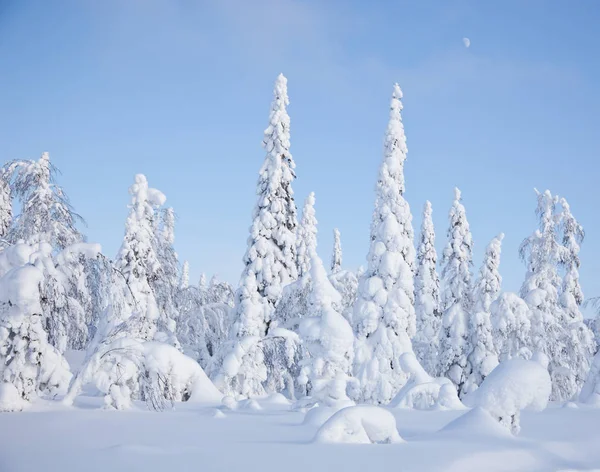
x,y
466,42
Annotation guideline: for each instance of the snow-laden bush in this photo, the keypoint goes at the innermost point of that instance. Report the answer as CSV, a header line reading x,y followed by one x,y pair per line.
x,y
27,360
127,369
328,341
346,284
514,385
423,392
10,398
202,328
511,326
363,424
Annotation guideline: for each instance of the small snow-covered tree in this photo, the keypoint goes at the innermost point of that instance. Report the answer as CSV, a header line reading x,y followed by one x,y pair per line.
x,y
455,343
328,339
511,324
138,260
542,253
6,213
427,297
46,214
27,360
184,281
270,261
483,357
165,283
220,291
384,317
579,342
336,256
306,239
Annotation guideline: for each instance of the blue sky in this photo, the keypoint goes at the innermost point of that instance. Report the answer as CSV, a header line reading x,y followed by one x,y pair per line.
x,y
180,90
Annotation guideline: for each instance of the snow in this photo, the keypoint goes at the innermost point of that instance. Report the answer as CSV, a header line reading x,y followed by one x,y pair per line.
x,y
10,398
514,385
86,437
423,392
360,425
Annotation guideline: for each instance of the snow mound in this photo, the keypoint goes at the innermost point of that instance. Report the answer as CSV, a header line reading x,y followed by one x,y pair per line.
x,y
360,425
514,385
318,415
218,414
423,392
184,373
229,402
476,423
10,400
250,404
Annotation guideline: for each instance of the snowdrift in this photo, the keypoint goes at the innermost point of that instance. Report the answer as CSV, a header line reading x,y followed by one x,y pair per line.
x,y
360,425
514,385
423,392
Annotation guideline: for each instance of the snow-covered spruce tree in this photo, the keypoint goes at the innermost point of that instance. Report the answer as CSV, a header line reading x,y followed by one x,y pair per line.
x,y
511,325
542,253
184,281
483,357
306,238
6,214
46,214
455,342
336,256
165,283
328,339
580,341
427,297
384,317
270,261
138,260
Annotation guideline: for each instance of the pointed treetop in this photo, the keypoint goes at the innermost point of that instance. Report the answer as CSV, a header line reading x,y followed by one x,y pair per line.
x,y
427,210
457,194
397,91
500,237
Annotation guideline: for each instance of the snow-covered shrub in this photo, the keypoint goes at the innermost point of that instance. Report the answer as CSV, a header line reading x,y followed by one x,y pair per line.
x,y
294,304
346,284
516,384
511,326
27,360
365,424
202,328
282,352
10,399
384,316
423,392
157,373
328,340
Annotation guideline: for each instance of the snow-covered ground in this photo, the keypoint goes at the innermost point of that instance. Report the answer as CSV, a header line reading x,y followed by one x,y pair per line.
x,y
51,437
